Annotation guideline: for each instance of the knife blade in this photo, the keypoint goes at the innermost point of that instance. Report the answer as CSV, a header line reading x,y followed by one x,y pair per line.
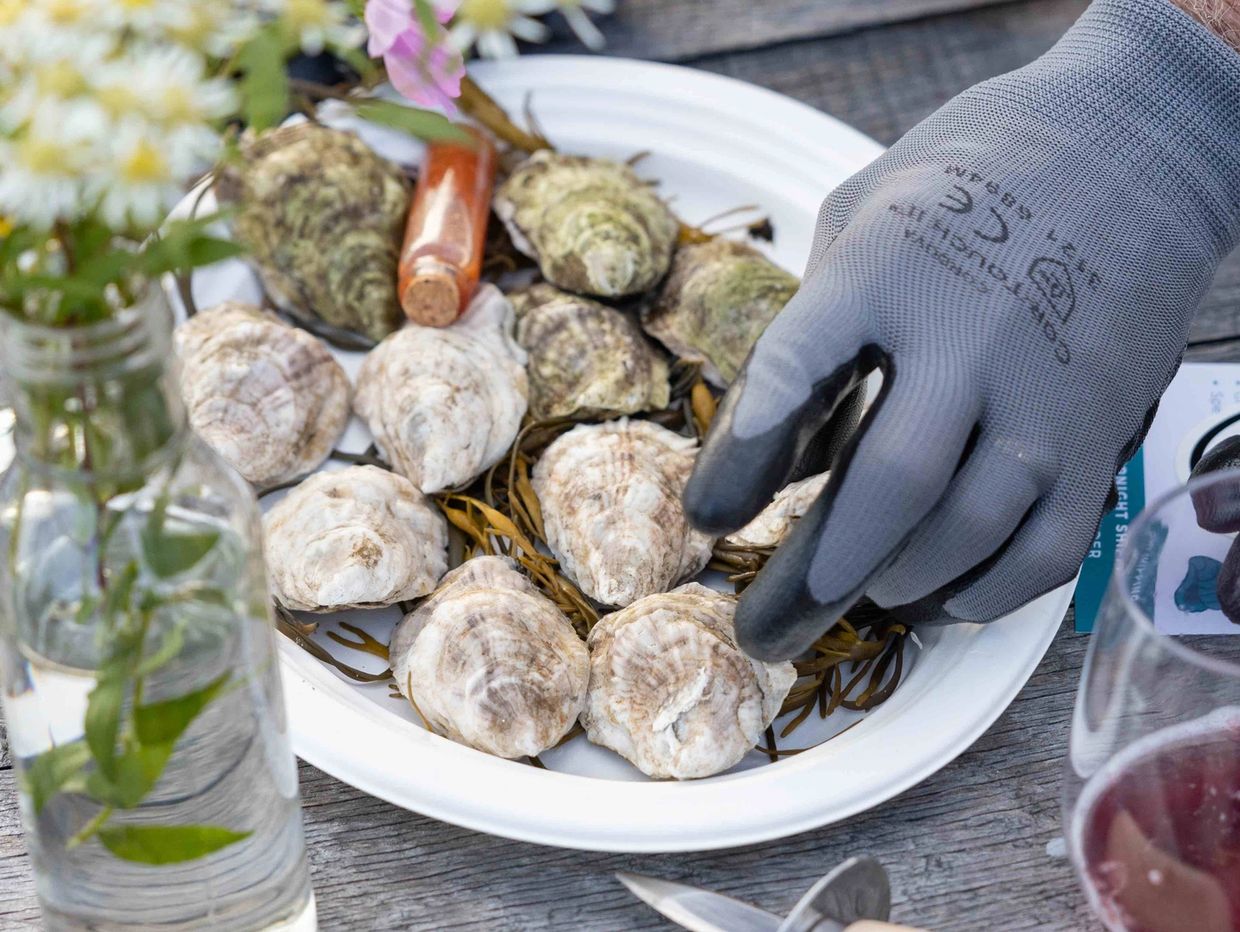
x,y
704,911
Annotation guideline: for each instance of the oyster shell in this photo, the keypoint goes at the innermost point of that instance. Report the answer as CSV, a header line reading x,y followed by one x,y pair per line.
x,y
269,398
591,224
444,403
490,662
716,302
585,357
774,522
359,537
610,496
672,693
322,216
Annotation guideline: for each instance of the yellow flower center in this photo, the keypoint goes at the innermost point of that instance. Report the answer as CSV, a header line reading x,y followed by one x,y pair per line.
x,y
135,4
486,15
65,12
118,100
60,79
144,165
301,14
43,156
178,105
9,11
6,227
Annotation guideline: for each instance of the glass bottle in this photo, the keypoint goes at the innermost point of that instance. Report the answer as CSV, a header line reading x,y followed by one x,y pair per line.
x,y
137,655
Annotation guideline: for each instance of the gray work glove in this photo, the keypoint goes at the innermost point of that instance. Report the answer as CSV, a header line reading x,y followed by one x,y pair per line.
x,y
1022,267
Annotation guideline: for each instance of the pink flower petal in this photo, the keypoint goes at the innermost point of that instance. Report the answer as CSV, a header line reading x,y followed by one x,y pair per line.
x,y
386,21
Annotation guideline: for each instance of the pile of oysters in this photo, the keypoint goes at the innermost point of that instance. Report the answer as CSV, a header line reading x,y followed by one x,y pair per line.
x,y
615,301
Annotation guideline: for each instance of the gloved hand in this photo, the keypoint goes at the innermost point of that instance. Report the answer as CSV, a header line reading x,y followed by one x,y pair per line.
x,y
1022,267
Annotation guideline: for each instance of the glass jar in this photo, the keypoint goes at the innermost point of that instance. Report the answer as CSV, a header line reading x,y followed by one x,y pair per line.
x,y
137,652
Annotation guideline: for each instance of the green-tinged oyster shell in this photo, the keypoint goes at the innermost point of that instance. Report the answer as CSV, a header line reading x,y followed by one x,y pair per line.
x,y
322,217
591,224
715,304
585,357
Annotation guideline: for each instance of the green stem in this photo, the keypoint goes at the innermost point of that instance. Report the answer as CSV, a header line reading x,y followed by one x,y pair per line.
x,y
87,831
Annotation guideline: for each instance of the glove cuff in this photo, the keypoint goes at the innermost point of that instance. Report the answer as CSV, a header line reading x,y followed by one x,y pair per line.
x,y
1159,92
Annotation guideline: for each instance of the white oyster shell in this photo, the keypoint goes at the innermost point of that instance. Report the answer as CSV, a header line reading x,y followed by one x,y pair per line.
x,y
591,224
672,693
359,537
610,496
490,662
774,522
269,398
585,357
445,403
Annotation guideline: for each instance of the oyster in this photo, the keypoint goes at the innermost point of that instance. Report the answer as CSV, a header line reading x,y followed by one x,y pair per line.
x,y
716,302
610,496
359,537
774,522
672,693
444,403
591,224
490,662
269,398
322,216
585,357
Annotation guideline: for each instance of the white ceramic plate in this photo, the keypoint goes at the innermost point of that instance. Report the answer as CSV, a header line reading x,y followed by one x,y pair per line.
x,y
715,143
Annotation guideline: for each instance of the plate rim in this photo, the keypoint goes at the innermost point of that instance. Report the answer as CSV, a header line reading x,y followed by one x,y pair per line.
x,y
312,694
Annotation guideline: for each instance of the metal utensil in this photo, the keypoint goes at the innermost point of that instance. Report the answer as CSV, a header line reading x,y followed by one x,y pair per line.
x,y
856,889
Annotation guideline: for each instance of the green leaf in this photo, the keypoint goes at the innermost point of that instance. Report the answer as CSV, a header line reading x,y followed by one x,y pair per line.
x,y
44,776
164,722
103,721
169,648
167,552
167,844
207,250
425,124
264,83
134,775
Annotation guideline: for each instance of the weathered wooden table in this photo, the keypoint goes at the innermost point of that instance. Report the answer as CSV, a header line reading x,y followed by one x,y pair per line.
x,y
968,848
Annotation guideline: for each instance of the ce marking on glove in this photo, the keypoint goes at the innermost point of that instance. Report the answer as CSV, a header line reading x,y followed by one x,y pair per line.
x,y
960,201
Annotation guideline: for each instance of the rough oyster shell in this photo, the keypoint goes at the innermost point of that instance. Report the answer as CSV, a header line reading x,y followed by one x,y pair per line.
x,y
444,403
322,216
591,224
359,537
610,496
490,662
585,357
716,302
774,522
269,398
672,693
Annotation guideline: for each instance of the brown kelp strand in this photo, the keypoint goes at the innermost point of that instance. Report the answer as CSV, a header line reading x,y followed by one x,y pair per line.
x,y
299,633
362,640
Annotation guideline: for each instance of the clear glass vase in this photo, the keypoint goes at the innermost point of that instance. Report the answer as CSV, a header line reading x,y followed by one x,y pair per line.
x,y
137,651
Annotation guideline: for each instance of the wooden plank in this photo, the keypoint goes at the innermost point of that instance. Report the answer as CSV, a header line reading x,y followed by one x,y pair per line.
x,y
678,30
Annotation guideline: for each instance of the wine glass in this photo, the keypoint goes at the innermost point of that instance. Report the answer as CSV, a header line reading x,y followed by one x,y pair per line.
x,y
1152,782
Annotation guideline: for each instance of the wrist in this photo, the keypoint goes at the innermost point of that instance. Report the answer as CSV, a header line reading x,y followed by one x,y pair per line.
x,y
1222,17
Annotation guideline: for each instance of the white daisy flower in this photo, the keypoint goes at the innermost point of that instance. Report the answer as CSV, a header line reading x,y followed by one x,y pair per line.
x,y
44,165
318,23
66,68
495,25
167,84
144,174
575,13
